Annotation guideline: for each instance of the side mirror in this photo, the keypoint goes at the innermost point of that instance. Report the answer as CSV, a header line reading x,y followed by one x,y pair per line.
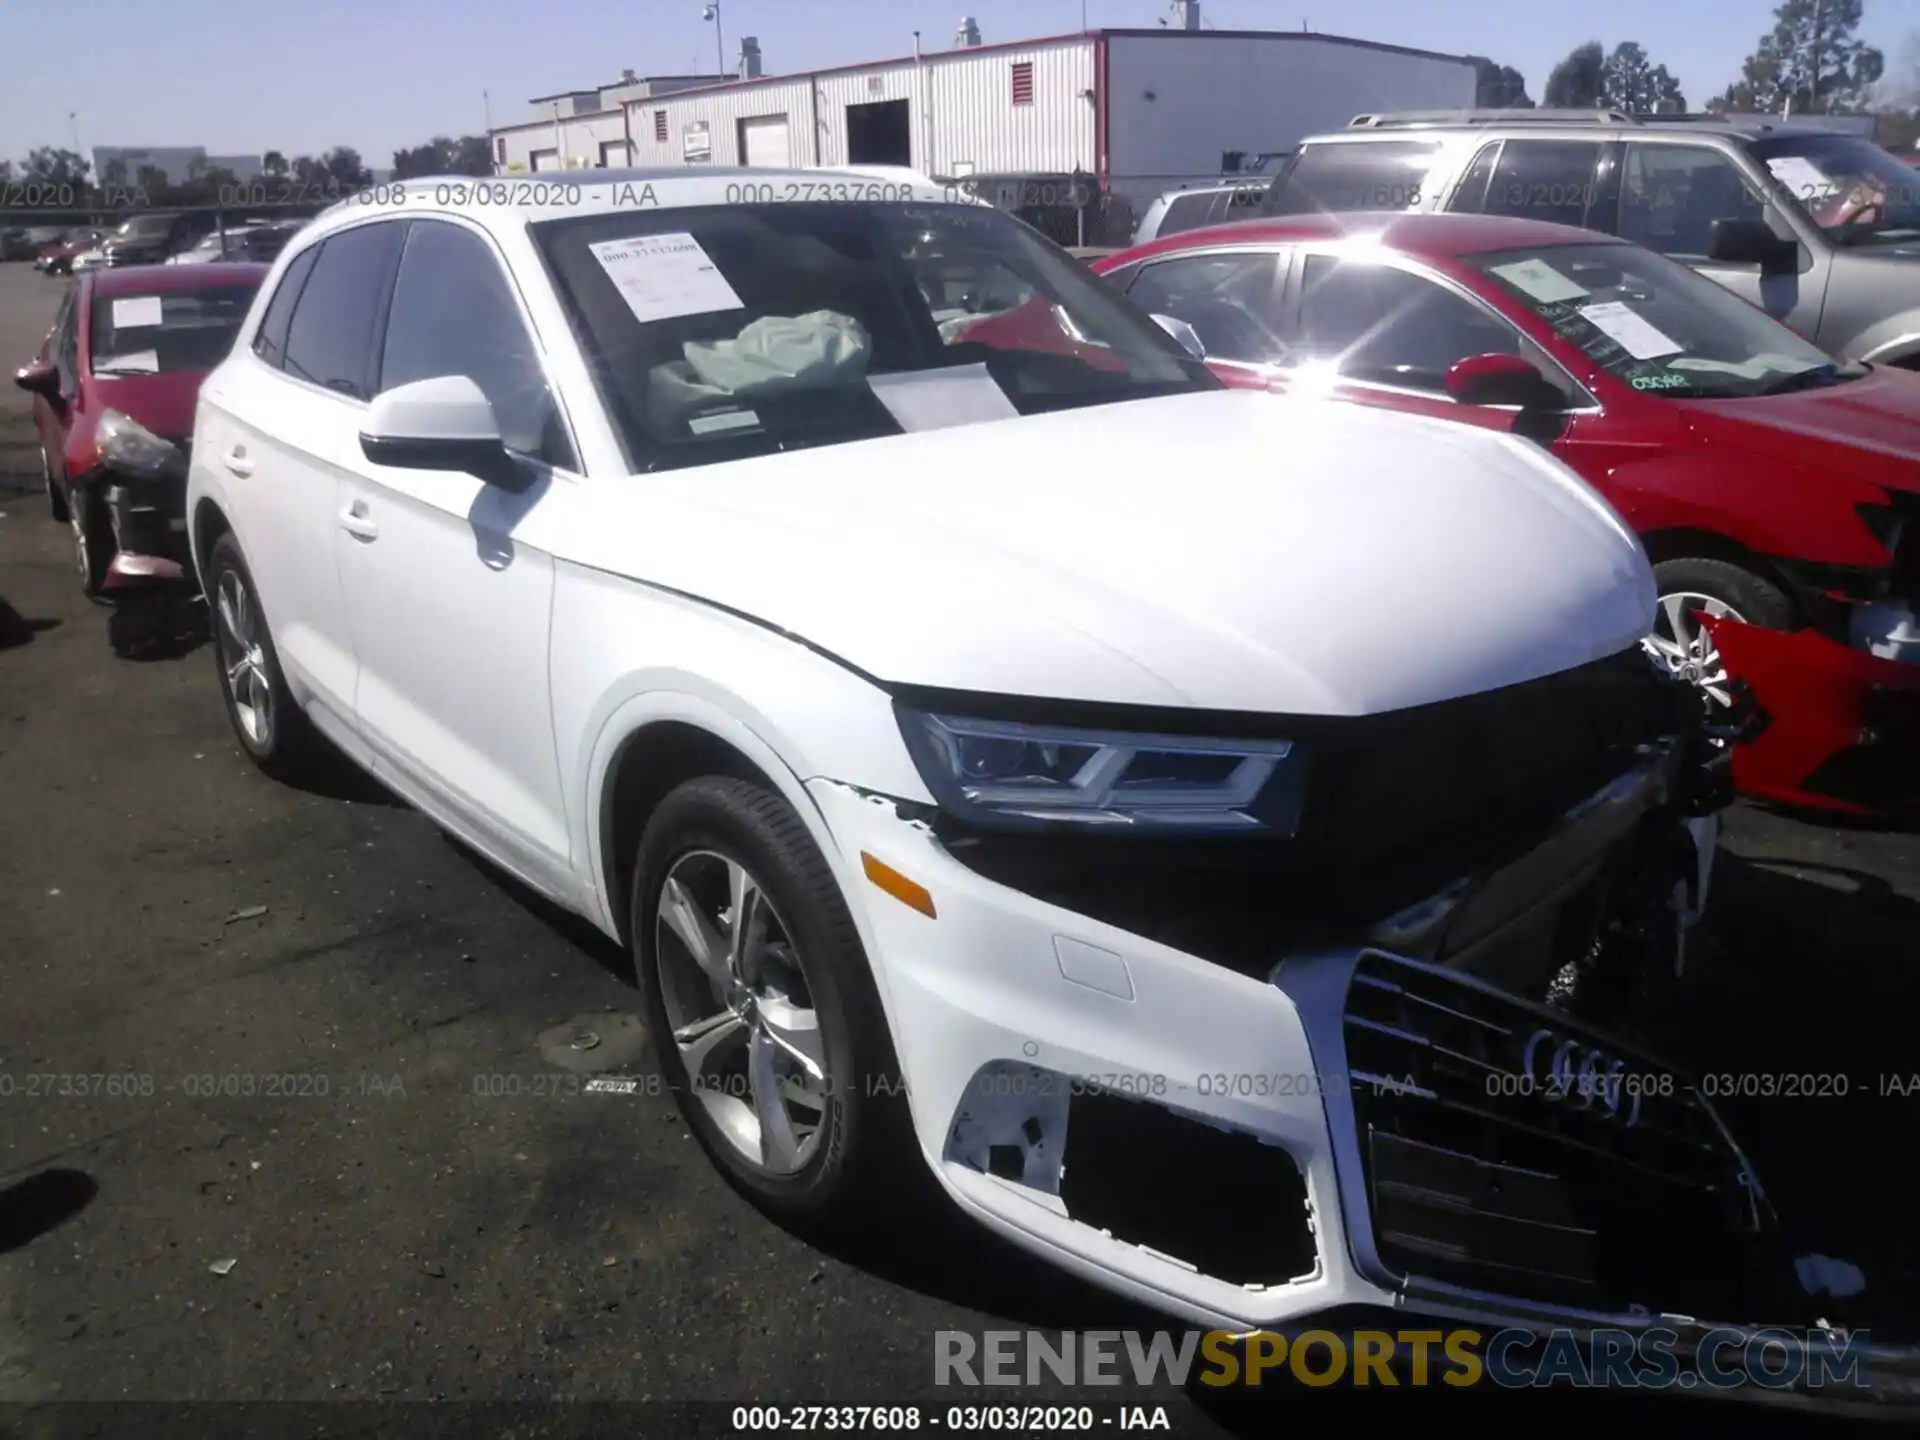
x,y
39,378
1752,242
1184,333
445,423
1498,379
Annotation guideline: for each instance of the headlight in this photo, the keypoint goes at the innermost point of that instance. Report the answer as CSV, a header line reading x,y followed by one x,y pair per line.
x,y
129,447
1012,775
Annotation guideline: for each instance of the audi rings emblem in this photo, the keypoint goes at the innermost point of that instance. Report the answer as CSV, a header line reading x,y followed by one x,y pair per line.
x,y
1569,1072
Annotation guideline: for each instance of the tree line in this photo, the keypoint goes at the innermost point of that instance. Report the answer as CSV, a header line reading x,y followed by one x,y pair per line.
x,y
1812,62
51,177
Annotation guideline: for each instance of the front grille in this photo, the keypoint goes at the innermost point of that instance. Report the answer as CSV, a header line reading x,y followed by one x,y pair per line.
x,y
1605,1185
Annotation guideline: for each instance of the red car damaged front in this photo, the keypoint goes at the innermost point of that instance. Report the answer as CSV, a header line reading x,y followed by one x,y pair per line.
x,y
1837,703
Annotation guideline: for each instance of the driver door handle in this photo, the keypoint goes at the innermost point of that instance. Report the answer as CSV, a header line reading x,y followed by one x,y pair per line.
x,y
355,521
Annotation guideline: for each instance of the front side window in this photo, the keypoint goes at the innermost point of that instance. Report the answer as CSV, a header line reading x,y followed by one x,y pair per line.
x,y
1228,299
1551,180
330,338
175,332
1344,176
452,314
1658,325
720,332
1858,193
1382,325
1670,195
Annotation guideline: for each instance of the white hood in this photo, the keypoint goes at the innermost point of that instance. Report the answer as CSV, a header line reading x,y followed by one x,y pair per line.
x,y
1227,550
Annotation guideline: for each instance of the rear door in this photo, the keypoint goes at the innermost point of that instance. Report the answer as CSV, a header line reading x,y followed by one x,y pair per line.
x,y
1231,299
282,430
450,606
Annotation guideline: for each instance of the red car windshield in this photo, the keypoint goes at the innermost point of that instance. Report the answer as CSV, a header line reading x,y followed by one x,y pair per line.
x,y
169,333
1657,325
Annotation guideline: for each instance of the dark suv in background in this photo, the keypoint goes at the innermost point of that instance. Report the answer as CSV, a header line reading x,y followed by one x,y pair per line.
x,y
1806,218
151,238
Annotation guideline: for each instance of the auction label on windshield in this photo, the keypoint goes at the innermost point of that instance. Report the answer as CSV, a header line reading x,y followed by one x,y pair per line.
x,y
665,276
136,312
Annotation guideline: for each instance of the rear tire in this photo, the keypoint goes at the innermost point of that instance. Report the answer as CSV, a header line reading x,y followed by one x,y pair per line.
x,y
860,1159
270,727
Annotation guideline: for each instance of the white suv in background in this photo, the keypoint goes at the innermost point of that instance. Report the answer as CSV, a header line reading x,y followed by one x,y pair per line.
x,y
991,772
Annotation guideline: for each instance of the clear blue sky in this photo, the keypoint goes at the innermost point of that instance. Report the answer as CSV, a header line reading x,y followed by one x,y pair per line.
x,y
242,78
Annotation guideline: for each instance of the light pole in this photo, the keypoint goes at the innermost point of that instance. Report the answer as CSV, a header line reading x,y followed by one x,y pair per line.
x,y
1813,82
712,12
73,124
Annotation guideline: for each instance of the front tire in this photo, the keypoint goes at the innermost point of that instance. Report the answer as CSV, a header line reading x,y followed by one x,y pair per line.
x,y
1690,589
270,727
92,543
770,1031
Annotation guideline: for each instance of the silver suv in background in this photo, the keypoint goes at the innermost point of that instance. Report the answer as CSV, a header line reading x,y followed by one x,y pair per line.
x,y
1806,218
1202,205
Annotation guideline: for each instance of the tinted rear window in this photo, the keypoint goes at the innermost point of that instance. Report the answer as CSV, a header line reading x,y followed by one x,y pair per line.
x,y
1189,212
1365,175
181,331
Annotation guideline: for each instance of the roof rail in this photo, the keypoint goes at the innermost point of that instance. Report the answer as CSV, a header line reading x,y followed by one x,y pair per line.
x,y
1416,119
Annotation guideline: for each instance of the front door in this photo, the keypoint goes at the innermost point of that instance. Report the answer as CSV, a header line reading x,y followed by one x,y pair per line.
x,y
1670,195
450,608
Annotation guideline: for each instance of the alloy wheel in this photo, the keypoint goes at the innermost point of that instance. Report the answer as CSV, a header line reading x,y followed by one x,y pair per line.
x,y
741,1011
1681,642
243,659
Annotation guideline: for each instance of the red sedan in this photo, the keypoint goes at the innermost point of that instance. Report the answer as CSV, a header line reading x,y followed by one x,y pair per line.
x,y
114,388
1776,489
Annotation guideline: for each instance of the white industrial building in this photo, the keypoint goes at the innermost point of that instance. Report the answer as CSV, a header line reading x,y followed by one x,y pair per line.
x,y
1124,114
179,163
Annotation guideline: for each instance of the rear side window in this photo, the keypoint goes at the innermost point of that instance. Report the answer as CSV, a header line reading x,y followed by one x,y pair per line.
x,y
1188,212
1551,180
270,341
330,339
176,332
1354,175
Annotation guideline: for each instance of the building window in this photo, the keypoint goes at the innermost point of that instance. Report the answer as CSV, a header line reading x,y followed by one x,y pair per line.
x,y
500,150
1023,82
660,127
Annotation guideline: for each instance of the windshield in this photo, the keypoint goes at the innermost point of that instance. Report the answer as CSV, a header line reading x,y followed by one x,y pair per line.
x,y
1856,192
1659,326
178,331
722,332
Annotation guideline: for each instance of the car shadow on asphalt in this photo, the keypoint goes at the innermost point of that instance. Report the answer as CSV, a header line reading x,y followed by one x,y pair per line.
x,y
17,629
1797,1020
42,1202
167,628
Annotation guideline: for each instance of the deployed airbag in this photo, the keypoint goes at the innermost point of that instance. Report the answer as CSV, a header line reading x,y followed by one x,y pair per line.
x,y
773,355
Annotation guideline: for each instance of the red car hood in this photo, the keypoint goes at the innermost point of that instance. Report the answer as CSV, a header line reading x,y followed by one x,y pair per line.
x,y
1875,420
162,403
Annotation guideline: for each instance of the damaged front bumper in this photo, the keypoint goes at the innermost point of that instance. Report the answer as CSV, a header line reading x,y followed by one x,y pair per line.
x,y
147,517
1835,728
1249,1148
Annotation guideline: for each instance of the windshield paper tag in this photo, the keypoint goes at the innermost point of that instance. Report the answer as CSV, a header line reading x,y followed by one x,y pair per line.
x,y
141,362
1631,333
1540,280
137,312
724,421
937,399
665,276
1805,179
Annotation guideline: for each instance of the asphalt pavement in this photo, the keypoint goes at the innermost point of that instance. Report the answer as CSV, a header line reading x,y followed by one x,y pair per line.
x,y
349,1157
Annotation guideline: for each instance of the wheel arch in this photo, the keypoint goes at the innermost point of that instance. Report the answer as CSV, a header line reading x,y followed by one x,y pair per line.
x,y
209,524
658,739
1684,543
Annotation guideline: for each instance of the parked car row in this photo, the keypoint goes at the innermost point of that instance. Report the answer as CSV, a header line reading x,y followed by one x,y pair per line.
x,y
182,238
799,593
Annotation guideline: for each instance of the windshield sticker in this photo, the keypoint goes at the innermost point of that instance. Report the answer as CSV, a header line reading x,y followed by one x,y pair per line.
x,y
1801,176
1540,281
727,420
1628,330
662,277
141,362
938,399
1661,382
136,312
